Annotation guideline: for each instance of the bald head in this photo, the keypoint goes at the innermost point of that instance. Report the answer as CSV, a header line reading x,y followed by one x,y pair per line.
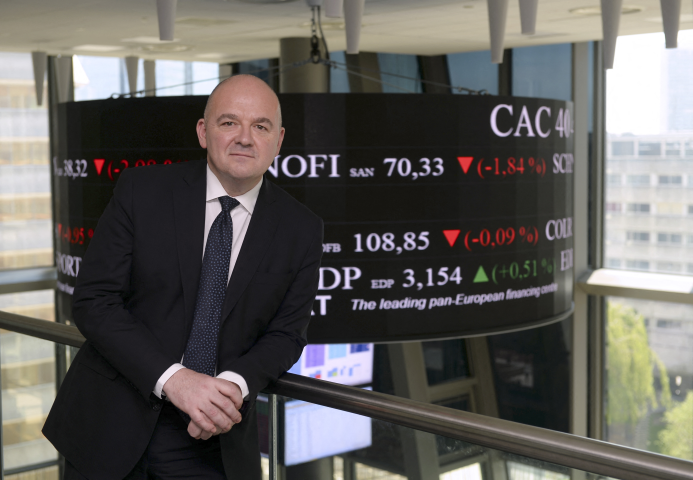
x,y
242,82
241,131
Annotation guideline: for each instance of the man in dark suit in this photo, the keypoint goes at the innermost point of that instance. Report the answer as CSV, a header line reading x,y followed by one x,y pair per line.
x,y
195,294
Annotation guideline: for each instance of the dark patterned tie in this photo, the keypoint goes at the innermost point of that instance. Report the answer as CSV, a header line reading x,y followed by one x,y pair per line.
x,y
201,350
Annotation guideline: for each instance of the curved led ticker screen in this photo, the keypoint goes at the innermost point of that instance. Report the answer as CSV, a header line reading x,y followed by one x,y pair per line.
x,y
445,215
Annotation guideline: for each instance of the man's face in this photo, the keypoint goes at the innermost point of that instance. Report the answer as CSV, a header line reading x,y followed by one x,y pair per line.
x,y
241,132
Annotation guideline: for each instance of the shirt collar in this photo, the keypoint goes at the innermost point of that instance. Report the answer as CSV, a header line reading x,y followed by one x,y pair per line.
x,y
216,190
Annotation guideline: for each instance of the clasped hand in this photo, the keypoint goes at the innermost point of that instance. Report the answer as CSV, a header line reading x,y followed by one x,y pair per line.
x,y
211,403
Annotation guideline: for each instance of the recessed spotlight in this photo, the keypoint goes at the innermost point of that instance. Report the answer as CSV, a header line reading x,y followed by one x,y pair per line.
x,y
166,48
98,48
212,55
597,10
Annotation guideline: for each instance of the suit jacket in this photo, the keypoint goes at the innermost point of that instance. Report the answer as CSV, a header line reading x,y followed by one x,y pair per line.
x,y
134,302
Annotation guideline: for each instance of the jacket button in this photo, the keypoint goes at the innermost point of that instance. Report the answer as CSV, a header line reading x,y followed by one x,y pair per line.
x,y
156,407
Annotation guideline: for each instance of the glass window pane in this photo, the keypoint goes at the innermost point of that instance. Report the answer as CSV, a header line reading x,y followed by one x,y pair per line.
x,y
531,371
28,382
543,72
101,77
445,360
339,79
473,70
649,145
25,207
650,375
170,78
206,77
259,68
403,65
650,149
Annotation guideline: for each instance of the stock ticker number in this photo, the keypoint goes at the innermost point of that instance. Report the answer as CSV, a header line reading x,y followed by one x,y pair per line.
x,y
389,242
70,168
521,270
505,167
502,236
73,235
404,168
440,278
78,168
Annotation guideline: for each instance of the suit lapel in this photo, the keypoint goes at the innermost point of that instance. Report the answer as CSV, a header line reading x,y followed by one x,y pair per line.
x,y
260,234
189,213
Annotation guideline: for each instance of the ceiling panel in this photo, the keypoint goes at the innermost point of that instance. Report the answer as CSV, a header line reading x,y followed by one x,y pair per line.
x,y
424,27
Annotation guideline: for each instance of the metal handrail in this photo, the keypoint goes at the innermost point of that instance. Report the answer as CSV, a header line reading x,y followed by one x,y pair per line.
x,y
546,445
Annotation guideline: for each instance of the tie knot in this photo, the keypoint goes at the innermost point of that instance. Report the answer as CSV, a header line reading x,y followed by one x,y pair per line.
x,y
228,203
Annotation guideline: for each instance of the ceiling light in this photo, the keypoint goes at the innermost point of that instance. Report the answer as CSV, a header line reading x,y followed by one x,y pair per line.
x,y
334,8
166,48
212,55
497,17
39,63
611,18
528,16
353,15
166,15
671,15
597,10
98,48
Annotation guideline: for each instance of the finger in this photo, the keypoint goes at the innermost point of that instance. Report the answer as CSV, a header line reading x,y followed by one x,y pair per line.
x,y
219,418
194,430
226,405
203,421
232,391
219,432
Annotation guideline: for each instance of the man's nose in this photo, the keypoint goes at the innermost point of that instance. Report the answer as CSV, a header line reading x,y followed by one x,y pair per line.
x,y
245,136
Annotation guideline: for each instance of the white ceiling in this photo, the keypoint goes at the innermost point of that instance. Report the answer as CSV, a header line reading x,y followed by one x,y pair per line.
x,y
230,31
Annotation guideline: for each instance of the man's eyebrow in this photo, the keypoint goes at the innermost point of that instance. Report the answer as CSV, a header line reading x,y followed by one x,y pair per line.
x,y
231,116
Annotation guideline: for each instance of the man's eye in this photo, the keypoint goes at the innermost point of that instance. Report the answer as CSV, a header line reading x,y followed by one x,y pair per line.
x,y
262,127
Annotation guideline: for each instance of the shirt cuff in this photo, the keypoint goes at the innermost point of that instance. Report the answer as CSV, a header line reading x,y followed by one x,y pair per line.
x,y
237,379
159,387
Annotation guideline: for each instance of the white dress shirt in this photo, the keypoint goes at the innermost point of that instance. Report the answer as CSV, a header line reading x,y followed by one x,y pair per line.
x,y
240,216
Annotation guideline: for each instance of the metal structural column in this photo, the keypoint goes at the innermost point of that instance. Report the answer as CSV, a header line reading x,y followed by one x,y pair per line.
x,y
579,367
485,399
53,119
309,78
409,381
597,304
505,74
435,69
367,66
150,78
579,401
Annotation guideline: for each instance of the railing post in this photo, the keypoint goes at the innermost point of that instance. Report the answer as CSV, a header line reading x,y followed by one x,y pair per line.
x,y
272,399
2,439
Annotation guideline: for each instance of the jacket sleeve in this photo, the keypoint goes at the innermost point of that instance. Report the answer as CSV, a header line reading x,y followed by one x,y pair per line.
x,y
281,344
100,296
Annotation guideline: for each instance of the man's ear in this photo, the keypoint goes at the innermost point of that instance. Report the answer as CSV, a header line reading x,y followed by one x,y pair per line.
x,y
202,132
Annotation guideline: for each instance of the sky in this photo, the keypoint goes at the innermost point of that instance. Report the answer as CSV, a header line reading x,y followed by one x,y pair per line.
x,y
633,85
